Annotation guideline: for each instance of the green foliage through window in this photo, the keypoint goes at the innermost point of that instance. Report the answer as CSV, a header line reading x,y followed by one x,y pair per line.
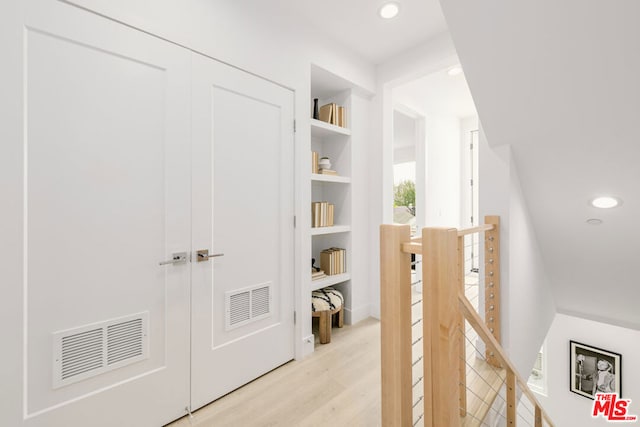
x,y
404,194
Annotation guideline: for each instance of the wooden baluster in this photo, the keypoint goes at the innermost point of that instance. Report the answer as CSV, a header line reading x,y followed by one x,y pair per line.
x,y
462,365
511,398
538,416
492,282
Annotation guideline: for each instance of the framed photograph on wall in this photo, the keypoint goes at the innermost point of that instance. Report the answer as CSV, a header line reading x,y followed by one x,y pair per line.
x,y
594,370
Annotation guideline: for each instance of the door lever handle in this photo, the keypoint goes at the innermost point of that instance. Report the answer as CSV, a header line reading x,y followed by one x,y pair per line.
x,y
203,255
177,258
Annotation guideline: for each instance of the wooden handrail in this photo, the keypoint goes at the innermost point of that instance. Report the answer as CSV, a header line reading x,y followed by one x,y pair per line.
x,y
478,229
412,248
415,245
444,309
483,332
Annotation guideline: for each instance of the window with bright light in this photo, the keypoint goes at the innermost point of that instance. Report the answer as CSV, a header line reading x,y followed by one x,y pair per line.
x,y
537,380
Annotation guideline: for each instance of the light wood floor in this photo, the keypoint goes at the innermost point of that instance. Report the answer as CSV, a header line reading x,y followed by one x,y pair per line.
x,y
338,385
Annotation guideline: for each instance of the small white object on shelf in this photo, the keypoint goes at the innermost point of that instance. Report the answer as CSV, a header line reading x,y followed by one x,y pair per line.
x,y
324,163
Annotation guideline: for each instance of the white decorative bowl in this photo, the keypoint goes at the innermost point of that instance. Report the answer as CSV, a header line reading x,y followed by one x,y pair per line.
x,y
324,163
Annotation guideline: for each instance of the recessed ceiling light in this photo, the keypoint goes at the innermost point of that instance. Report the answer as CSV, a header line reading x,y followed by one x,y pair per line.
x,y
606,202
594,221
389,10
455,70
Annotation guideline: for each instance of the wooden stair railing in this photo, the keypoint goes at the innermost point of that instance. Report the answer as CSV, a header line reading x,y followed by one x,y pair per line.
x,y
445,308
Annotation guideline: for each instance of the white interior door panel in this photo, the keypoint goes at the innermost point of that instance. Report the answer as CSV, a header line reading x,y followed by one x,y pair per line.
x,y
107,197
242,302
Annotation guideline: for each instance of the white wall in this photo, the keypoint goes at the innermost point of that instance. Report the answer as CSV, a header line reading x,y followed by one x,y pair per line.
x,y
528,292
568,409
261,37
443,171
11,233
404,138
527,303
360,205
466,126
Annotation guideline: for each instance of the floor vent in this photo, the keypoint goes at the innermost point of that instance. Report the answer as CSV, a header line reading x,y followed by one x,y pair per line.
x,y
94,349
247,305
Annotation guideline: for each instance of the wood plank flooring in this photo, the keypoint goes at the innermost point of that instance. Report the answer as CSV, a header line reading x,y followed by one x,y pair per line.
x,y
338,385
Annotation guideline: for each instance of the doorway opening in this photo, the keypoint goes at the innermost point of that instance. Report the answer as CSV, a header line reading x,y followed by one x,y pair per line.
x,y
435,155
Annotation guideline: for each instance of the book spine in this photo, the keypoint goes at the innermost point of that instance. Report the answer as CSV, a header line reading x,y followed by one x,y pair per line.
x,y
324,262
341,116
325,113
315,214
330,215
314,162
344,260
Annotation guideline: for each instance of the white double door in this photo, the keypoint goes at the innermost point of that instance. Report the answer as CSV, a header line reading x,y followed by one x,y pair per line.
x,y
135,151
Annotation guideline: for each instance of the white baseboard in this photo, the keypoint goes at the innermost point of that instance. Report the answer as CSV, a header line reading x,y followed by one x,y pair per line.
x,y
375,311
306,347
352,316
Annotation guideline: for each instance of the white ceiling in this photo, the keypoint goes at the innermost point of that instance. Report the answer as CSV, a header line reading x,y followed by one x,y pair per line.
x,y
357,25
437,93
559,82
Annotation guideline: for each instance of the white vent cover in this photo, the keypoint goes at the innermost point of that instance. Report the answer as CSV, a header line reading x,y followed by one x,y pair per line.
x,y
91,350
248,305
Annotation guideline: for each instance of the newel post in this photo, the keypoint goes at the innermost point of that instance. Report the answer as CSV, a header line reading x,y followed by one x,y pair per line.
x,y
440,275
395,326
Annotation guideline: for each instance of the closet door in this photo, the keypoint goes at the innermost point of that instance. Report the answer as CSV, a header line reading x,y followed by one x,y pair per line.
x,y
107,199
242,287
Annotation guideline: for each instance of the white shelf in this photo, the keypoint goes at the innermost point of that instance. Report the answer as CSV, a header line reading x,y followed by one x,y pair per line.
x,y
330,178
329,280
323,129
317,231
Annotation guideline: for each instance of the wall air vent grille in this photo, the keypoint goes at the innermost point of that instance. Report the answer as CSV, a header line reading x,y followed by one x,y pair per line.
x,y
91,350
247,305
238,308
260,301
124,341
82,352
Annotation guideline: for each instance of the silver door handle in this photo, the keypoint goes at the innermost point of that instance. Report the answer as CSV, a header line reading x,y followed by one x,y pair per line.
x,y
203,255
177,258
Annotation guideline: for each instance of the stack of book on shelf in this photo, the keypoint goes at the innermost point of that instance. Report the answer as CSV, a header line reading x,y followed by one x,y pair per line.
x,y
321,214
327,172
317,275
333,261
333,114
